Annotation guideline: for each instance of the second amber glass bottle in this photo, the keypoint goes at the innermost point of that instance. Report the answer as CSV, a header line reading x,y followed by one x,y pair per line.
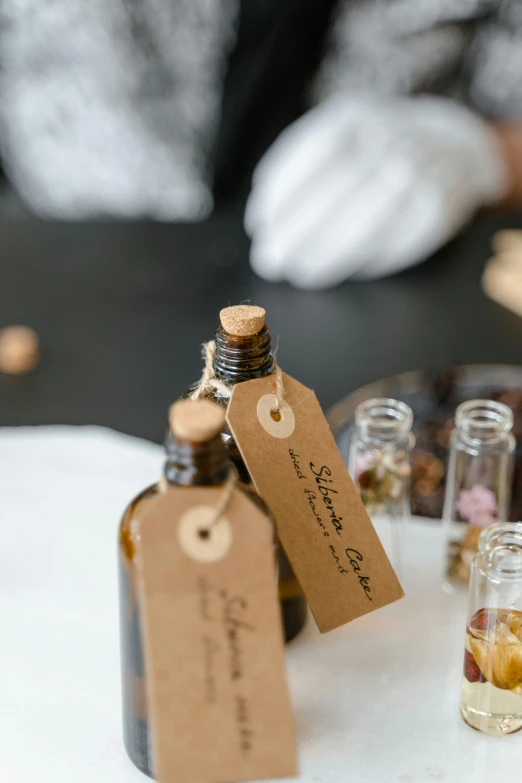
x,y
190,463
244,353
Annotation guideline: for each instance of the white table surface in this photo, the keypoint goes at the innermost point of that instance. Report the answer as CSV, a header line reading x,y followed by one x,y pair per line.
x,y
375,702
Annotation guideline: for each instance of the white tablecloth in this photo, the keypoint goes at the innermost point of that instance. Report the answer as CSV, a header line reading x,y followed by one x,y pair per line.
x,y
375,702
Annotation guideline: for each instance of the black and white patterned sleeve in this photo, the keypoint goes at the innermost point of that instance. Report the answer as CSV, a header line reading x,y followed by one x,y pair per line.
x,y
110,106
495,63
400,47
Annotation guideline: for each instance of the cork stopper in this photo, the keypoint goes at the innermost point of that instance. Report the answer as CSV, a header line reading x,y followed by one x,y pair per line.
x,y
196,420
19,350
242,320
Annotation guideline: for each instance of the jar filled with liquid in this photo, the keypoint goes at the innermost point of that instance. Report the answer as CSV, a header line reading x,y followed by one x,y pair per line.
x,y
492,681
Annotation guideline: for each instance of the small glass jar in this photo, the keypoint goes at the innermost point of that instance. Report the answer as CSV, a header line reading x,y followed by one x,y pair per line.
x,y
478,481
379,463
492,683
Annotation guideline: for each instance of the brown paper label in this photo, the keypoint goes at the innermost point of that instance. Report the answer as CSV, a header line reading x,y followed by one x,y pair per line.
x,y
214,658
322,523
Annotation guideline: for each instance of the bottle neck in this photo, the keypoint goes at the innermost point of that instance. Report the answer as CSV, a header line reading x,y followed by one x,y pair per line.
x,y
196,464
240,359
500,548
482,423
384,423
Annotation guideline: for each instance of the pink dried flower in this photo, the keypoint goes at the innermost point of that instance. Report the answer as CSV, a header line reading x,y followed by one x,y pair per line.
x,y
477,505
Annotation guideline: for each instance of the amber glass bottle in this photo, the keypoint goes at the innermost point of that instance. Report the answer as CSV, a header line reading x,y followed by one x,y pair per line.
x,y
198,460
243,353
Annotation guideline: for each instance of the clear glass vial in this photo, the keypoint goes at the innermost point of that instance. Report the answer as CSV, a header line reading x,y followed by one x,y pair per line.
x,y
478,481
492,682
379,463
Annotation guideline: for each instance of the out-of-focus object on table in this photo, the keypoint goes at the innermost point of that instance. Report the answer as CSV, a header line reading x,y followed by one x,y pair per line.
x,y
502,279
375,701
508,240
19,350
122,308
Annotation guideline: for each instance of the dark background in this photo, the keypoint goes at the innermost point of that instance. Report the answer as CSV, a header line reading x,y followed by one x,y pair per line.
x,y
122,310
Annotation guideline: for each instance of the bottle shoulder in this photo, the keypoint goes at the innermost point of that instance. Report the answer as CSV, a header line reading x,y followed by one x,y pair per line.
x,y
129,515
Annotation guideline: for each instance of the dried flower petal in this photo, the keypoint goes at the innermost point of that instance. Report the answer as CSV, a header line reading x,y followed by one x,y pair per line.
x,y
403,471
514,623
366,479
471,670
484,619
471,538
364,461
498,654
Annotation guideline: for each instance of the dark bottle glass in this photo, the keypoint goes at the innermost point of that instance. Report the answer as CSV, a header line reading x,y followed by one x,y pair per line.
x,y
190,465
242,358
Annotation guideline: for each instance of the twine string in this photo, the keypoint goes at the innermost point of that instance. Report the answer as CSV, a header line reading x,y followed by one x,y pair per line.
x,y
224,500
279,386
209,382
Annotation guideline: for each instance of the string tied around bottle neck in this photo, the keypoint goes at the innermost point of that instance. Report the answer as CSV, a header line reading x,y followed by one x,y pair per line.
x,y
224,500
209,382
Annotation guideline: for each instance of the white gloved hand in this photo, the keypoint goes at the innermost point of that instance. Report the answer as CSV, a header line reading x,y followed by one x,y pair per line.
x,y
361,187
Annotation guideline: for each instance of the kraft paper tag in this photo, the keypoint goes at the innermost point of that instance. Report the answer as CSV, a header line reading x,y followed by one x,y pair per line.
x,y
297,469
214,660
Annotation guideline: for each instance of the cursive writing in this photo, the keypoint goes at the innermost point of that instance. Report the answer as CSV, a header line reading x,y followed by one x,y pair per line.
x,y
295,459
356,559
327,492
311,497
234,608
340,568
242,717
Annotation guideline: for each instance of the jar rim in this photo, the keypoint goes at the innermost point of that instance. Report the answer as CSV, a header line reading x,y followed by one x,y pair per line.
x,y
385,413
483,418
502,537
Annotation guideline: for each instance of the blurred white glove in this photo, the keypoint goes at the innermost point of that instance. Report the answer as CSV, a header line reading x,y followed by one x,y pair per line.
x,y
361,187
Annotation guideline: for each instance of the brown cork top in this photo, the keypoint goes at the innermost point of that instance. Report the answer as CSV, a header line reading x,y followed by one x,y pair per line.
x,y
242,320
19,350
196,420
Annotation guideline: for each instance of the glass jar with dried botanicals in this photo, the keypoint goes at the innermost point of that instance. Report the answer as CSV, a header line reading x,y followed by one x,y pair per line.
x,y
196,457
379,463
478,481
492,683
243,352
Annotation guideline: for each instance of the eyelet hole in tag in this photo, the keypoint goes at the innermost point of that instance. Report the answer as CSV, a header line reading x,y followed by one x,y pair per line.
x,y
276,419
199,540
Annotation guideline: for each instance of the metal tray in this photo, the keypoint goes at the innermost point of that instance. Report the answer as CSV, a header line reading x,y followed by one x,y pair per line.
x,y
433,398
